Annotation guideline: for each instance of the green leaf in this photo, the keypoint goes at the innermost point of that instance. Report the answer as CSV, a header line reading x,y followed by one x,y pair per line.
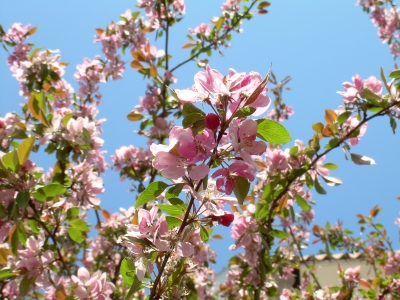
x,y
14,241
53,189
75,235
190,119
173,222
279,234
272,132
174,191
371,96
189,108
173,210
319,188
79,224
302,203
343,117
127,271
134,288
330,166
263,5
21,234
203,234
25,149
318,127
178,202
151,192
7,273
25,285
220,22
395,74
33,225
244,112
241,189
11,161
22,199
384,80
72,212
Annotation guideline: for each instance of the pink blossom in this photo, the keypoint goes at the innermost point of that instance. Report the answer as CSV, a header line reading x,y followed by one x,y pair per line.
x,y
227,182
170,165
352,89
352,274
92,286
199,172
243,140
194,149
285,295
202,29
373,84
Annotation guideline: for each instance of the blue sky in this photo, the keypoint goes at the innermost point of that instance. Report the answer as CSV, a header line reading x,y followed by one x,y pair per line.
x,y
319,43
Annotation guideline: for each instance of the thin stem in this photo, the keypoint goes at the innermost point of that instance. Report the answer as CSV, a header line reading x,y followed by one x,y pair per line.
x,y
53,238
385,238
98,218
166,46
215,43
303,260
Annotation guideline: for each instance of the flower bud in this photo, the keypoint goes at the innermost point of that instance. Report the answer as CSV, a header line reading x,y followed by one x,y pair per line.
x,y
224,220
212,121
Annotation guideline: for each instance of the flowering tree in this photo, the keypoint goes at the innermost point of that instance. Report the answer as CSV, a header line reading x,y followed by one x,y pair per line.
x,y
223,166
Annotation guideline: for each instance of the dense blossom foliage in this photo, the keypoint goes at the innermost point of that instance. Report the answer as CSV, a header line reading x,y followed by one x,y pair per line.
x,y
224,165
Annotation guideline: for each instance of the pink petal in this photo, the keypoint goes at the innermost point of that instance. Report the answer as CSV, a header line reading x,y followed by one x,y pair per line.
x,y
199,172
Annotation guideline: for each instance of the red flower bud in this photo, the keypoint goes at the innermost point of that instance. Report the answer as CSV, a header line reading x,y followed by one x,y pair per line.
x,y
212,121
224,220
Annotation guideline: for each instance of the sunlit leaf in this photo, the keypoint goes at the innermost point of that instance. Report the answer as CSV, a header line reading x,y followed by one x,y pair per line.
x,y
302,203
153,71
11,160
173,210
330,116
279,234
32,31
151,192
79,224
173,222
318,127
134,116
75,235
136,65
203,234
272,132
127,271
99,31
25,149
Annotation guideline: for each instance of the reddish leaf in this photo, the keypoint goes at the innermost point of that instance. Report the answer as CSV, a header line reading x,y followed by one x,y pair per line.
x,y
189,45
